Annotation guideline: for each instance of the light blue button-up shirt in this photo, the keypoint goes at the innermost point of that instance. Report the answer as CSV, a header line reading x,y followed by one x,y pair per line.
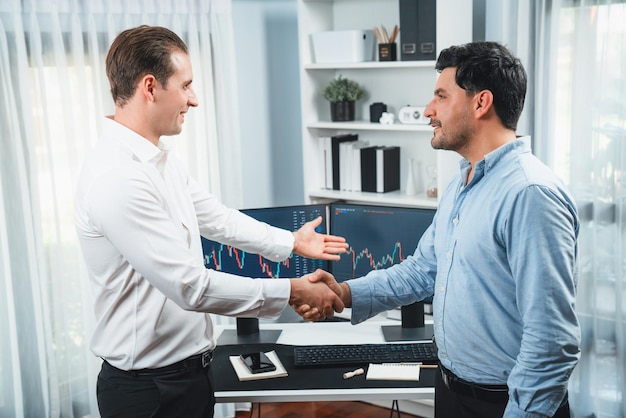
x,y
500,260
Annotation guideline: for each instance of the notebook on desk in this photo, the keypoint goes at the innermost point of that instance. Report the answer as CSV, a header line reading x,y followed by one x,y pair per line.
x,y
393,371
245,375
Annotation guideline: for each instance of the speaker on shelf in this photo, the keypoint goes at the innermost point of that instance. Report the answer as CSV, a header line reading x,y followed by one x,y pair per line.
x,y
418,30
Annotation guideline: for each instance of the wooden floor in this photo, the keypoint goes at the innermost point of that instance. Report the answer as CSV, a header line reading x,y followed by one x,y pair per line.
x,y
318,410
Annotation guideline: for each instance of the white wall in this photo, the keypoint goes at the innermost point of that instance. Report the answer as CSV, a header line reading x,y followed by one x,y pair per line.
x,y
266,42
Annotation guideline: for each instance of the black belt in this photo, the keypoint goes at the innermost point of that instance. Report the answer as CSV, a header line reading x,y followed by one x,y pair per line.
x,y
487,393
195,362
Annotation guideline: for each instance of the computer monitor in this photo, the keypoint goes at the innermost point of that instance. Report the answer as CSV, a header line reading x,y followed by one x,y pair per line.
x,y
379,237
222,257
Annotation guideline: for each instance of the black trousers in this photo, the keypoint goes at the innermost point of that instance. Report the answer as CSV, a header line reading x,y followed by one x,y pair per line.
x,y
185,393
449,404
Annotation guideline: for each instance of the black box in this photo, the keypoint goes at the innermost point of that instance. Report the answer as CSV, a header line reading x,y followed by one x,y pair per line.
x,y
376,111
418,30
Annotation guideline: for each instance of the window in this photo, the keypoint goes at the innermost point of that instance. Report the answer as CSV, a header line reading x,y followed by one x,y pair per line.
x,y
589,151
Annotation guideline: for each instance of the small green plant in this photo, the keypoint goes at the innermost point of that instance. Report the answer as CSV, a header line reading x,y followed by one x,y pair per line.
x,y
342,89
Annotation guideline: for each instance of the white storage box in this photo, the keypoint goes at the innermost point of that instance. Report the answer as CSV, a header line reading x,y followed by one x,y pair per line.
x,y
343,46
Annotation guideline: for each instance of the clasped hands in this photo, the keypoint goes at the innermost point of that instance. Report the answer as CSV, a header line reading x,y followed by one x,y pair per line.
x,y
316,296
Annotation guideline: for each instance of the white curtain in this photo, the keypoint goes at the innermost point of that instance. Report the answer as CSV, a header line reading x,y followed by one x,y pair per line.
x,y
575,51
585,122
53,95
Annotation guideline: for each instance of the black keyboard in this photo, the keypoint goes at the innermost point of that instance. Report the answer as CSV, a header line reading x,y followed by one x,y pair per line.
x,y
362,354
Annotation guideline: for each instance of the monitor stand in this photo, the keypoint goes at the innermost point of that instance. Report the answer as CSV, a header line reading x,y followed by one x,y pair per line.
x,y
248,332
413,327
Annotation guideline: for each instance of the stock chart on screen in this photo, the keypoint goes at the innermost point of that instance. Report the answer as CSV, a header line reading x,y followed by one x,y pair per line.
x,y
229,259
379,236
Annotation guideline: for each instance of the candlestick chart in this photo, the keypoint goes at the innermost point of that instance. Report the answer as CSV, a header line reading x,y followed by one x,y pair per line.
x,y
226,258
379,236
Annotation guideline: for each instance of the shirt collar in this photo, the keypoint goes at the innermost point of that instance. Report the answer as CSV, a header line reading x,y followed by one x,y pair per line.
x,y
519,145
142,149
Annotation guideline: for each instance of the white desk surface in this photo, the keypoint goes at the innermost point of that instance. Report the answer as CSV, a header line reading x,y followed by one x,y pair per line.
x,y
306,333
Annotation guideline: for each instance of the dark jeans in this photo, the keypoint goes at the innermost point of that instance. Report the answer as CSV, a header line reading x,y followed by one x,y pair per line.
x,y
185,393
449,404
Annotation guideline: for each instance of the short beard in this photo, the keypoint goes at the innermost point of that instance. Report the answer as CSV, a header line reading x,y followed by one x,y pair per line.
x,y
459,141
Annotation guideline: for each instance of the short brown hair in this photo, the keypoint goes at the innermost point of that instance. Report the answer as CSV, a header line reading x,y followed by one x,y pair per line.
x,y
139,51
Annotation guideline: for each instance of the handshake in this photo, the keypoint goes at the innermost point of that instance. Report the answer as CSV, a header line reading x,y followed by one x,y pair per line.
x,y
317,296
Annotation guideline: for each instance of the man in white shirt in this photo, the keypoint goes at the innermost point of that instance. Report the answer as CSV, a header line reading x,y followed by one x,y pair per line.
x,y
139,218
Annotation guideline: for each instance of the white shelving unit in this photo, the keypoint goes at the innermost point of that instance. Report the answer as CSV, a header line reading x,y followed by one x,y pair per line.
x,y
395,83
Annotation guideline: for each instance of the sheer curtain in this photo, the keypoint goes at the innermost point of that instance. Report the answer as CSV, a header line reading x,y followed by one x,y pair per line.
x,y
53,94
585,120
575,53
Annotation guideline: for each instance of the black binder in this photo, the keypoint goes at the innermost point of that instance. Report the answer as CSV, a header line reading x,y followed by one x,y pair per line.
x,y
380,169
418,34
335,141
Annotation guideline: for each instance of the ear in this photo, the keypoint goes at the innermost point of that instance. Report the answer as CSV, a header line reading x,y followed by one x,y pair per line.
x,y
483,103
147,85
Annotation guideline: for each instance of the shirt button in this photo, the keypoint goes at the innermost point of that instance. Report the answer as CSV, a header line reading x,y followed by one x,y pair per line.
x,y
455,221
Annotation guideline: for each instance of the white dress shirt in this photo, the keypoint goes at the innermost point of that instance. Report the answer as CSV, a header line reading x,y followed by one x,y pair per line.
x,y
139,218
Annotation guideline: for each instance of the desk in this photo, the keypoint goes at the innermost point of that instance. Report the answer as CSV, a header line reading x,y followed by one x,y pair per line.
x,y
313,384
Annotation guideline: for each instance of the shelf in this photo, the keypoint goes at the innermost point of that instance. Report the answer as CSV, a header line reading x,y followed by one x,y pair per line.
x,y
395,83
390,198
371,65
369,126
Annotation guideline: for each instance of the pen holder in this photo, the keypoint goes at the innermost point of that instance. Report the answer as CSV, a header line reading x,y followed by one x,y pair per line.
x,y
387,52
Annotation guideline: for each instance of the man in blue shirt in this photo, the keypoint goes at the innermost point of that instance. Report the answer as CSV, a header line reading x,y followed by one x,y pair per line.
x,y
499,257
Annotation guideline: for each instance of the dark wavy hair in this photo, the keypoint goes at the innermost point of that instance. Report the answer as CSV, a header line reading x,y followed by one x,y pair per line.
x,y
489,66
139,51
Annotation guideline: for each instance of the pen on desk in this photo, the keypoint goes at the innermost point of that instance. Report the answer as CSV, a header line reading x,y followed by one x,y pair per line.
x,y
428,366
348,375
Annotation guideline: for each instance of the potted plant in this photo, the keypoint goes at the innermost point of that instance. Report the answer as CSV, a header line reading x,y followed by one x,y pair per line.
x,y
342,93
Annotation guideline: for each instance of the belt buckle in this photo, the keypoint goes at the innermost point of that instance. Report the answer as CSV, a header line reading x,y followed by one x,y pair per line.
x,y
207,356
447,379
444,377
